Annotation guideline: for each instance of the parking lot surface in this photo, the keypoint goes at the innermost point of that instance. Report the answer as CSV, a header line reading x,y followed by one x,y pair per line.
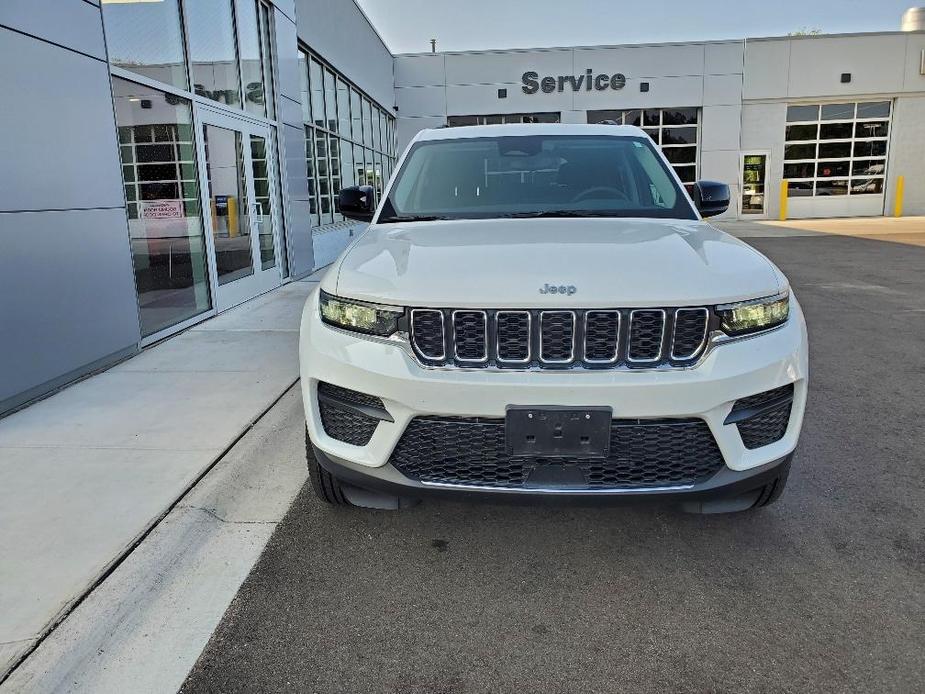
x,y
824,591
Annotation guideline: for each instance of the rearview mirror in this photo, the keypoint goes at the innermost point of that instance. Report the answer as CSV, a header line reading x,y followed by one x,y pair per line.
x,y
357,202
711,197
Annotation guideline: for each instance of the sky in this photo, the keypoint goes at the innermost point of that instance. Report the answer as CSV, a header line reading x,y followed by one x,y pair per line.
x,y
408,25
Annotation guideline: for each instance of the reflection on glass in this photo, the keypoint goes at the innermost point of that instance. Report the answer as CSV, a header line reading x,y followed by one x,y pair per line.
x,y
802,113
228,199
212,50
278,208
874,109
263,212
164,219
753,181
146,38
251,57
799,189
831,187
266,52
316,85
870,186
838,111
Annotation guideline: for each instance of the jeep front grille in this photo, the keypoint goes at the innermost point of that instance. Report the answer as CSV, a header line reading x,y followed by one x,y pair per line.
x,y
550,339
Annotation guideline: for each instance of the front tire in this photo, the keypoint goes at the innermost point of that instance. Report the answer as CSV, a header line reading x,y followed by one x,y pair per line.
x,y
325,485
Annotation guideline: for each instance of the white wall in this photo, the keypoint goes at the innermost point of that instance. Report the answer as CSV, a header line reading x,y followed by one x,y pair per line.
x,y
808,69
907,154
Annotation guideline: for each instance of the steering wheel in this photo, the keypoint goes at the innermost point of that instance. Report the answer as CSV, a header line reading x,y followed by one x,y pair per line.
x,y
591,192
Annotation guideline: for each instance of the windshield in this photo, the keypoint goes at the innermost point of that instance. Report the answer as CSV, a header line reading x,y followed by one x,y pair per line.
x,y
534,176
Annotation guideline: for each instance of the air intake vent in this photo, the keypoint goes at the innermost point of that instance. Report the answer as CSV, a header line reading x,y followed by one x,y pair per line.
x,y
647,328
514,336
557,337
690,332
427,333
470,335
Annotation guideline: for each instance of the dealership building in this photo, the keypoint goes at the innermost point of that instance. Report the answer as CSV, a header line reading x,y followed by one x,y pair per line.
x,y
170,159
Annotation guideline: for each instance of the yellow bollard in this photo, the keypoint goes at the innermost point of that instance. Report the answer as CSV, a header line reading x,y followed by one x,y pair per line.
x,y
232,217
784,193
900,189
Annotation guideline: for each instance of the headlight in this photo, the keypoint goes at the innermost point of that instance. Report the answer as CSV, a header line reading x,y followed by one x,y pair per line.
x,y
359,316
754,316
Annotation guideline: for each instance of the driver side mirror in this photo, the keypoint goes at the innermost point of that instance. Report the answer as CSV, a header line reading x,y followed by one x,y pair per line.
x,y
711,197
357,202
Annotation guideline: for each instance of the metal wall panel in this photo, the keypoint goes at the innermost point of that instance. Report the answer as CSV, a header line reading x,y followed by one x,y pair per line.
x,y
68,296
57,124
73,24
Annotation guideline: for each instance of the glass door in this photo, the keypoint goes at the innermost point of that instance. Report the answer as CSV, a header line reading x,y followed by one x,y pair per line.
x,y
754,184
237,184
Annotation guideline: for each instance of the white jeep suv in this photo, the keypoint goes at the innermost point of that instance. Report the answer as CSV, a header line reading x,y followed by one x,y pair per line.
x,y
540,310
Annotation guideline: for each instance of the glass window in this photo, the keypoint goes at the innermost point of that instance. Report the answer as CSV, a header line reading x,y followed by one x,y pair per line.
x,y
802,132
875,148
835,131
330,101
489,177
874,109
249,46
796,114
266,52
146,38
343,108
869,186
679,136
831,188
347,168
304,95
868,129
228,196
316,84
262,200
212,50
834,150
831,169
356,115
838,112
632,118
164,216
367,123
679,116
845,131
800,189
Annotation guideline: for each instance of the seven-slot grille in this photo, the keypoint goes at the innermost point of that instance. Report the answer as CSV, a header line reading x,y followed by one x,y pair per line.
x,y
593,338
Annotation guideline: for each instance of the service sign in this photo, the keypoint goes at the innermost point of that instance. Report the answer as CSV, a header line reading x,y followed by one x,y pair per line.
x,y
533,83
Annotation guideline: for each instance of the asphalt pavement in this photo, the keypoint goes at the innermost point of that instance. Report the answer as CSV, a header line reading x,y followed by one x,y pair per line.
x,y
824,591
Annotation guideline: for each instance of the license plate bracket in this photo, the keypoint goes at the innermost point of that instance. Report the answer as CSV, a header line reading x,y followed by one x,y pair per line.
x,y
557,432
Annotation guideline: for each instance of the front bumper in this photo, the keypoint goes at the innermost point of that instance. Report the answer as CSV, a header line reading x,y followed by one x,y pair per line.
x,y
387,370
728,490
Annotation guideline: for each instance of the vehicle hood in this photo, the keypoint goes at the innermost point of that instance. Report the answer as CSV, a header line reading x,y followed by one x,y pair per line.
x,y
506,262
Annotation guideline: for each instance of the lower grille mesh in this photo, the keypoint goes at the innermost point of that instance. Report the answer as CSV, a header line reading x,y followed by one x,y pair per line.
x,y
471,451
766,428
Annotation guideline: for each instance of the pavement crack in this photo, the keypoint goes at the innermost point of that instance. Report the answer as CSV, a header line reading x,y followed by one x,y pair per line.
x,y
220,519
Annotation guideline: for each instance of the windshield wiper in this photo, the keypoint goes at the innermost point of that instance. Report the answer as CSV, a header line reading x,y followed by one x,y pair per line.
x,y
410,218
556,213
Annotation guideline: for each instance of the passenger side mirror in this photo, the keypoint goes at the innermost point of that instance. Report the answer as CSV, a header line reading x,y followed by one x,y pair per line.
x,y
711,197
357,202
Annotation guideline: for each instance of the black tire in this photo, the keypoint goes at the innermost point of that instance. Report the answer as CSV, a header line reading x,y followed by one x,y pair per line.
x,y
772,491
325,485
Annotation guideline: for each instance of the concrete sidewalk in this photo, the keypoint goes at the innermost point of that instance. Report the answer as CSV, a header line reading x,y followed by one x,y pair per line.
x,y
86,472
909,230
